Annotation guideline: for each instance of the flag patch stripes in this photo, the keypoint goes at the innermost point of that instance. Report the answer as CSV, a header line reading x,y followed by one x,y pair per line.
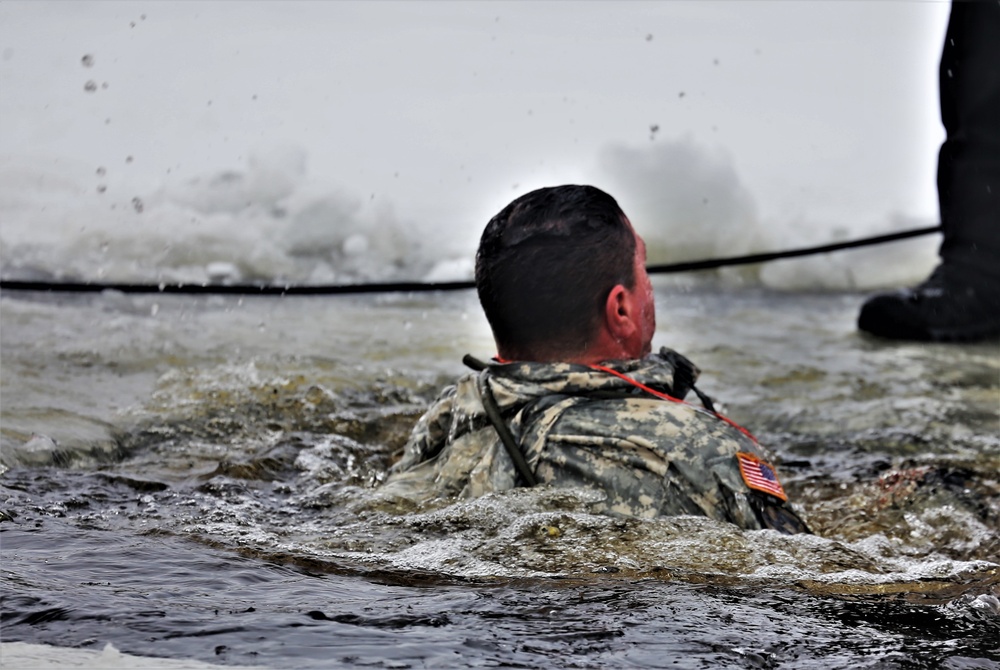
x,y
759,475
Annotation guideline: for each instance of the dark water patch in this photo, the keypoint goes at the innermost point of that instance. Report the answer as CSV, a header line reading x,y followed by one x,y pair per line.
x,y
44,616
136,484
273,463
383,622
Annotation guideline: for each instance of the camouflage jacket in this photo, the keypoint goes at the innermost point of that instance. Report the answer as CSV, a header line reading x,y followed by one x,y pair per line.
x,y
581,427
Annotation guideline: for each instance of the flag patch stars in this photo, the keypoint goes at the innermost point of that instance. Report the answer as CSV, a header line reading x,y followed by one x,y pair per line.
x,y
760,476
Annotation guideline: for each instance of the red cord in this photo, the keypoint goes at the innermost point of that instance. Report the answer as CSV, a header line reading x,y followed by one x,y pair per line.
x,y
664,396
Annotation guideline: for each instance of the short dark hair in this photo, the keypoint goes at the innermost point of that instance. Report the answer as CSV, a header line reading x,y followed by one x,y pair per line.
x,y
546,264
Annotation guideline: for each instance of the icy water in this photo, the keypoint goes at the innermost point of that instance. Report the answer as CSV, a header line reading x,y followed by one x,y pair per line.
x,y
196,478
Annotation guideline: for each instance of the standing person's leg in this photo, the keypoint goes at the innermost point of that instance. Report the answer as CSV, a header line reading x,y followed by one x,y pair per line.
x,y
961,299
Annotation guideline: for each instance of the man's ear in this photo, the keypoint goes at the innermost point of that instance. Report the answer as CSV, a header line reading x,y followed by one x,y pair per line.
x,y
619,313
619,329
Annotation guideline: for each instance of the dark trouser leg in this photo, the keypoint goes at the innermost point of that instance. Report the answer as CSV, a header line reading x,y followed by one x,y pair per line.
x,y
969,161
961,300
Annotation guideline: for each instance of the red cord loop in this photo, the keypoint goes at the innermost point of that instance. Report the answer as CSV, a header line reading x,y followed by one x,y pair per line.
x,y
664,396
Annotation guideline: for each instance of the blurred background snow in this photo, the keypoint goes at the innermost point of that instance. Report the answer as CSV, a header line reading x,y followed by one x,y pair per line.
x,y
335,141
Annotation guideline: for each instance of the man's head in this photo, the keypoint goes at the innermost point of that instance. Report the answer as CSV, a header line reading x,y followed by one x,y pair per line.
x,y
561,276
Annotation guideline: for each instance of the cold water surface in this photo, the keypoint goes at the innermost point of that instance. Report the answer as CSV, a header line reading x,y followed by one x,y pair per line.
x,y
197,478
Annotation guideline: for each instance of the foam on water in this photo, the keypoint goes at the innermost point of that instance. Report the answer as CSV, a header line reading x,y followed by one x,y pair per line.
x,y
494,540
527,533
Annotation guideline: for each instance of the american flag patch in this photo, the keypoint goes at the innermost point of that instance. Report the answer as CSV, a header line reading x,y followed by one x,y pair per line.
x,y
759,476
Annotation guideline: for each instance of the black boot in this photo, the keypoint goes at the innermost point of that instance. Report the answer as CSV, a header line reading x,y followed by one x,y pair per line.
x,y
950,306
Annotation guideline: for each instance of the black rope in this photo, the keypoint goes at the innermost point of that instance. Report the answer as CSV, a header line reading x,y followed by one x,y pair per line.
x,y
418,287
791,253
234,289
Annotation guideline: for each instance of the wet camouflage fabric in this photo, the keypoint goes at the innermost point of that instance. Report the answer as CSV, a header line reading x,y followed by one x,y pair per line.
x,y
578,427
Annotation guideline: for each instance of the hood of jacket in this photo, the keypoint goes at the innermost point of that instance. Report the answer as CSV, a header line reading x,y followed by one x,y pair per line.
x,y
517,383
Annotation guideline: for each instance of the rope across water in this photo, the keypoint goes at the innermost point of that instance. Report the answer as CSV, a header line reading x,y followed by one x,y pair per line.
x,y
417,287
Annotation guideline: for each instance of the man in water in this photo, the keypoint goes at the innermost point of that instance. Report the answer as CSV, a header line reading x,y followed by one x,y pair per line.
x,y
574,397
